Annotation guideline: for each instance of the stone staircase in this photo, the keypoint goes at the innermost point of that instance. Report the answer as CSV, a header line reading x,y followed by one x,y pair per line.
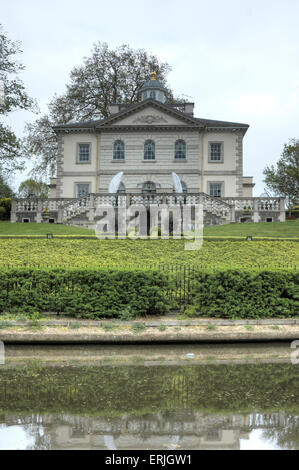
x,y
82,211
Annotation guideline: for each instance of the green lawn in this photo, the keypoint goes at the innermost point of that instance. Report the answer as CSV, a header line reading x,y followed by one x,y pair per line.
x,y
7,228
225,252
289,229
121,253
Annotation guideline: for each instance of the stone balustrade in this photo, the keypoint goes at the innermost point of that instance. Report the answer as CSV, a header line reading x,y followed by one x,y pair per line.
x,y
63,210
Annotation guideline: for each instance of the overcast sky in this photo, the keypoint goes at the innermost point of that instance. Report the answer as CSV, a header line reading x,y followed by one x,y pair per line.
x,y
237,60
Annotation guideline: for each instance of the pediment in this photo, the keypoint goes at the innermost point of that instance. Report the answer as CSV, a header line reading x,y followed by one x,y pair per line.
x,y
149,117
149,114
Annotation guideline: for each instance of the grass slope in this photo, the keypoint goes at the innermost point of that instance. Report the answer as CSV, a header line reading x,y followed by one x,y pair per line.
x,y
125,253
289,229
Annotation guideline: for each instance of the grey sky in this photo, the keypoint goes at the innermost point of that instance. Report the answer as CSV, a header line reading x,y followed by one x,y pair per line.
x,y
238,60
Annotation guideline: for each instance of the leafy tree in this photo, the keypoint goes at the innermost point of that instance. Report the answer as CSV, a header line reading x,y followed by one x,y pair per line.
x,y
5,189
106,76
5,208
13,96
32,188
283,179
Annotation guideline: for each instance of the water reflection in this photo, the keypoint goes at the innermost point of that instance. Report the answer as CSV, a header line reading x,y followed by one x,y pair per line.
x,y
82,399
186,429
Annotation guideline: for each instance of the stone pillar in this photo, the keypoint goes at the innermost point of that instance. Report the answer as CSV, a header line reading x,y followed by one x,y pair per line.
x,y
13,212
59,215
39,211
232,213
256,216
282,213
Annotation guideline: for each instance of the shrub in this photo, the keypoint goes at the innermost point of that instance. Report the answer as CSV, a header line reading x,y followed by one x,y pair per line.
x,y
5,207
245,294
84,292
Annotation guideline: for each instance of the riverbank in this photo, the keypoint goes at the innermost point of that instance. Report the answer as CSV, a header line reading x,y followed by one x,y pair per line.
x,y
148,331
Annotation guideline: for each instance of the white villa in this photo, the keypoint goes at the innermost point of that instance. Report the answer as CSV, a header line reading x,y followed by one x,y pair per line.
x,y
147,141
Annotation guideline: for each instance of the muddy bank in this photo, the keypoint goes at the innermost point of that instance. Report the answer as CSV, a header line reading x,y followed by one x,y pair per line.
x,y
158,331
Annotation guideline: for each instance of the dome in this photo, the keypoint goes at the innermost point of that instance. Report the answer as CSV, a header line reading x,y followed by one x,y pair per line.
x,y
153,89
153,84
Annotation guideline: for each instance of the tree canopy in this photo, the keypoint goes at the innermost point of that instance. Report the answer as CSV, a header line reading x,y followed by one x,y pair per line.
x,y
283,179
106,76
13,96
5,189
32,188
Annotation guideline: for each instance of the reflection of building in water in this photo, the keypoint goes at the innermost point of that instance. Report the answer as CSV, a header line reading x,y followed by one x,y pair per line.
x,y
178,430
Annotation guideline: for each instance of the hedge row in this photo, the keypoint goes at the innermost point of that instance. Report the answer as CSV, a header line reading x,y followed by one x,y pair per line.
x,y
129,293
245,294
83,292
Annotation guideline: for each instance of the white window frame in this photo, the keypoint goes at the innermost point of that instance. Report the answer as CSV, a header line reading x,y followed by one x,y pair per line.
x,y
115,151
86,183
221,159
180,141
83,162
221,183
146,153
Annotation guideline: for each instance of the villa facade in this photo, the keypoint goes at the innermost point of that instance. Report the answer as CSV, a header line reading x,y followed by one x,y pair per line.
x,y
147,142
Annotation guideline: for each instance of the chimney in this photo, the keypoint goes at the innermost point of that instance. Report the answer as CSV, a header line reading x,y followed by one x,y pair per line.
x,y
114,108
189,107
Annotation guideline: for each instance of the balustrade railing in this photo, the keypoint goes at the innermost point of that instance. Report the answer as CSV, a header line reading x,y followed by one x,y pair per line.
x,y
71,207
257,204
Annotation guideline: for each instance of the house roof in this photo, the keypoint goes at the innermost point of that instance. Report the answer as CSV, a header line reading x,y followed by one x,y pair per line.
x,y
166,108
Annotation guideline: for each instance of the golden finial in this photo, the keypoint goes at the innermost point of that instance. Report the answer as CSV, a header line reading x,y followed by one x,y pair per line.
x,y
153,75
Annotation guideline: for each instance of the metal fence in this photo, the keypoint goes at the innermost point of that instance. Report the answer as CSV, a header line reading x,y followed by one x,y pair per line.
x,y
181,277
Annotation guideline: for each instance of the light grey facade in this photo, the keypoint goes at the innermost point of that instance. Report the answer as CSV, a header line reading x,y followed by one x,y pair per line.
x,y
148,141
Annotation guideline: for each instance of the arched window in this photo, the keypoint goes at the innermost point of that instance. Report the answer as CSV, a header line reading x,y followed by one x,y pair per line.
x,y
118,150
121,188
153,95
180,150
144,95
149,150
149,187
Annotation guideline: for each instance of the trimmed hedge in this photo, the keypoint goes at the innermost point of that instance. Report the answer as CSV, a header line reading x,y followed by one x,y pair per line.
x,y
245,294
127,293
84,292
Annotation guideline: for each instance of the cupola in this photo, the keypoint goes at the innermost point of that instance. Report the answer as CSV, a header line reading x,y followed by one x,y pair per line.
x,y
154,89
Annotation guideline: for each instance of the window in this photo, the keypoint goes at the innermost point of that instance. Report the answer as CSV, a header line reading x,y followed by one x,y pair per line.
x,y
149,150
153,95
214,435
180,150
144,95
118,150
215,189
82,189
215,152
149,187
83,153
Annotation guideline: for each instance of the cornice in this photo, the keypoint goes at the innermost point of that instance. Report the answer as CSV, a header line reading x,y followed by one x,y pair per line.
x,y
145,104
148,128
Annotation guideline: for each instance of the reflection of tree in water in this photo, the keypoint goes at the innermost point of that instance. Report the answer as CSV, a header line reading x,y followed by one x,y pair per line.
x,y
287,436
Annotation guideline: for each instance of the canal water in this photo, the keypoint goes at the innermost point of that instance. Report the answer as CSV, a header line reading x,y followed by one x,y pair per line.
x,y
149,397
